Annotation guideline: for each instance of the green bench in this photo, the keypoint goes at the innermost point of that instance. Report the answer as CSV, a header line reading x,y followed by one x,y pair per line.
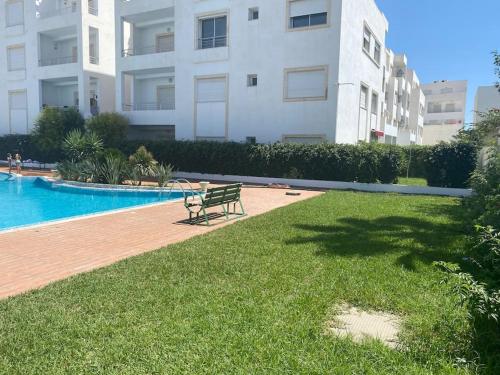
x,y
223,196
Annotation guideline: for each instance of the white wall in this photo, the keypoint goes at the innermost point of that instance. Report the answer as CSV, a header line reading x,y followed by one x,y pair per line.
x,y
265,47
30,79
487,98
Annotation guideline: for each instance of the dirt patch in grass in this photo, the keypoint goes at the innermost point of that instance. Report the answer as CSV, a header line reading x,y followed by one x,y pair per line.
x,y
361,325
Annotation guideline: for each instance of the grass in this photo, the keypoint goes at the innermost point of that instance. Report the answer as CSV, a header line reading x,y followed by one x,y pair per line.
x,y
412,181
253,298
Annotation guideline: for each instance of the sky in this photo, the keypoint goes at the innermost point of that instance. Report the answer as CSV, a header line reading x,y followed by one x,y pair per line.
x,y
446,39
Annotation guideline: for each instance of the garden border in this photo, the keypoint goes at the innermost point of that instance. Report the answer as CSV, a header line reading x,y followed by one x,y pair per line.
x,y
334,185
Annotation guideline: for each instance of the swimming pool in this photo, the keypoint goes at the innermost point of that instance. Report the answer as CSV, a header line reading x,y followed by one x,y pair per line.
x,y
28,201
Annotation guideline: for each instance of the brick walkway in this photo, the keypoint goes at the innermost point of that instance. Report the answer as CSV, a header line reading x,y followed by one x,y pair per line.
x,y
33,258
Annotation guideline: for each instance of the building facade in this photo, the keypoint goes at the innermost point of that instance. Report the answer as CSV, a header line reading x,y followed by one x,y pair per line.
x,y
487,98
402,118
251,70
445,110
305,71
54,53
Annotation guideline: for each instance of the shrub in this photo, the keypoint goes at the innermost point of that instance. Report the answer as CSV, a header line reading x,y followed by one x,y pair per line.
x,y
51,127
450,164
390,164
110,127
163,174
414,161
113,170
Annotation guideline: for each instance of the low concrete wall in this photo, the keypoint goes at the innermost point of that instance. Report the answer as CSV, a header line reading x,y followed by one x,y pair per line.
x,y
335,185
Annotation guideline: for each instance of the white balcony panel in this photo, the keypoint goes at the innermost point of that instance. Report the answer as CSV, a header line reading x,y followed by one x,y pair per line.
x,y
150,117
133,7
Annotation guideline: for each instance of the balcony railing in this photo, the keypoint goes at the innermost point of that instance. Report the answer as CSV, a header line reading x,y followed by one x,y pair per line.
x,y
94,60
73,8
151,106
60,107
212,42
57,61
149,50
93,10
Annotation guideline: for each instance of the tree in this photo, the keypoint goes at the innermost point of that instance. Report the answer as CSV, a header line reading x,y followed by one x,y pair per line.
x,y
51,127
496,61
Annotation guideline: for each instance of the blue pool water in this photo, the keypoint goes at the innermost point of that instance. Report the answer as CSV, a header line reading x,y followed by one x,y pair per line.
x,y
27,201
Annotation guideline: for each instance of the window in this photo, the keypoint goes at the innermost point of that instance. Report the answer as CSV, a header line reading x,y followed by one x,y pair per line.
x,y
253,14
306,84
212,32
363,100
376,54
374,104
308,13
16,58
165,96
446,90
434,108
165,42
367,37
427,92
450,107
14,13
93,46
252,80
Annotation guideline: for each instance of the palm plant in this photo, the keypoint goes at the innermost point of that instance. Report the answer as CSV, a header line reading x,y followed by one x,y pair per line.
x,y
142,164
78,146
163,174
113,170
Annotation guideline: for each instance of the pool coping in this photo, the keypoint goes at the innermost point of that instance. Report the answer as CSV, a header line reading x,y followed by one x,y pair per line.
x,y
86,186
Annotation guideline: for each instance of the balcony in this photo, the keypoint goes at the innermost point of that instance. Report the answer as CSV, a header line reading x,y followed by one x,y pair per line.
x,y
47,9
149,90
60,93
148,33
58,47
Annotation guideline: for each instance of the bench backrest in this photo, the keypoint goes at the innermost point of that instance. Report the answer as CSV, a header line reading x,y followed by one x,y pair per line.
x,y
222,195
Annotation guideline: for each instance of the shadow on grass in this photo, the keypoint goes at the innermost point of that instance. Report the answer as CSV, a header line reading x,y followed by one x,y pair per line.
x,y
417,239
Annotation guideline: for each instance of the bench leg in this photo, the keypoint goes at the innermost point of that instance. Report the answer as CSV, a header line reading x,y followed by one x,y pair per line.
x,y
206,216
225,212
242,209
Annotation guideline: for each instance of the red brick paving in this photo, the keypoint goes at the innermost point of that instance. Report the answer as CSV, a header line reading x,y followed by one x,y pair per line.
x,y
34,257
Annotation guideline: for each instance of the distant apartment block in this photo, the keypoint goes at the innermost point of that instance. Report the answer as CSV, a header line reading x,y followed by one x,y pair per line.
x,y
445,112
487,98
54,53
404,105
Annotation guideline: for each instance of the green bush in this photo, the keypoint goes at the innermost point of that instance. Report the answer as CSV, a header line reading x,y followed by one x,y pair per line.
x,y
414,161
51,127
110,127
450,164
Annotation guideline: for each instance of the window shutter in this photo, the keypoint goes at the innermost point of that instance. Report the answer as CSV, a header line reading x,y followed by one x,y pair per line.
x,y
15,13
306,84
212,90
18,100
306,7
16,58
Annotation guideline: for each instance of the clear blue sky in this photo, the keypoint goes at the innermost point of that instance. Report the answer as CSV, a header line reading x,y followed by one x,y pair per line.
x,y
446,39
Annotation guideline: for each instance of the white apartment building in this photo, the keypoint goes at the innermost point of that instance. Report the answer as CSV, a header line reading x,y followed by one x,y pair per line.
x,y
487,98
55,53
251,70
402,118
445,111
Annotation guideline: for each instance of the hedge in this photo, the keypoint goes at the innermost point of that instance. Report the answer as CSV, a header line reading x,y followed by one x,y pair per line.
x,y
446,165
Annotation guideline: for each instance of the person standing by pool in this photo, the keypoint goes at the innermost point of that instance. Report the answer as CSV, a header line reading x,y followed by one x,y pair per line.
x,y
18,163
9,161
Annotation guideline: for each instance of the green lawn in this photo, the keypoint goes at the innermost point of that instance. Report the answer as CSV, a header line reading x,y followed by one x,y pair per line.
x,y
412,181
253,298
